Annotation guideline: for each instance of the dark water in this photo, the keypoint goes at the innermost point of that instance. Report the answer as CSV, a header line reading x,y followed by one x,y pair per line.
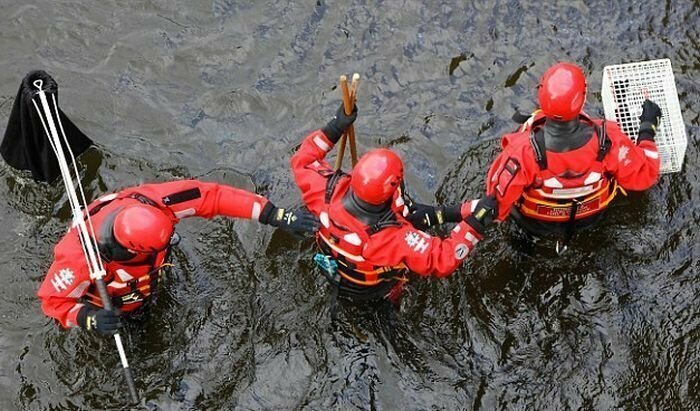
x,y
226,90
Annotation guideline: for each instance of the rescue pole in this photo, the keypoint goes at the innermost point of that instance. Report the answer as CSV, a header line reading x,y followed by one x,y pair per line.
x,y
86,232
351,131
349,96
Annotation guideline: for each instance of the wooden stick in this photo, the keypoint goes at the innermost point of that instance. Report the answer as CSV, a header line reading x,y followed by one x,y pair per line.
x,y
351,129
346,104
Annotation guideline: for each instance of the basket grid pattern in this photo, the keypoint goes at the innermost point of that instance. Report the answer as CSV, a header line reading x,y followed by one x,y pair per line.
x,y
624,89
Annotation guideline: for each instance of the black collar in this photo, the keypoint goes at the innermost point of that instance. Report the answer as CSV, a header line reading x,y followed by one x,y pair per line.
x,y
368,214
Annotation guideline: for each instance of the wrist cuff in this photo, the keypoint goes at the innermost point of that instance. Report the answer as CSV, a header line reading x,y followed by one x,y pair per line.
x,y
647,131
477,225
267,213
452,214
82,316
332,132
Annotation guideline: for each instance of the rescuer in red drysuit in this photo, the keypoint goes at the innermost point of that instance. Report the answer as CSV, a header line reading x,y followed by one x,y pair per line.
x,y
367,246
561,168
134,229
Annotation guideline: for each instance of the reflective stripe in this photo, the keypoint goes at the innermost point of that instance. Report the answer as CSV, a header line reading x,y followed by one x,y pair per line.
x,y
399,201
123,275
108,197
471,238
592,178
324,219
553,183
651,154
339,250
352,238
567,193
185,213
257,209
79,290
318,140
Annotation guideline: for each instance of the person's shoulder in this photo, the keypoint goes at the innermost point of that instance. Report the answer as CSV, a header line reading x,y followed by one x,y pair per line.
x,y
517,145
612,130
69,245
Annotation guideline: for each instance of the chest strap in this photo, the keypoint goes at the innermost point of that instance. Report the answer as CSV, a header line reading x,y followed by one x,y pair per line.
x,y
331,183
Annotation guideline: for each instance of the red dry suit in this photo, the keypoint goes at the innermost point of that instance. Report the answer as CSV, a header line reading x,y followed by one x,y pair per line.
x,y
68,287
371,259
541,188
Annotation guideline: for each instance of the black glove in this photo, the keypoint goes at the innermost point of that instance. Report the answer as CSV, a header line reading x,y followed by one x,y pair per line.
x,y
103,321
423,216
649,121
482,216
337,126
298,222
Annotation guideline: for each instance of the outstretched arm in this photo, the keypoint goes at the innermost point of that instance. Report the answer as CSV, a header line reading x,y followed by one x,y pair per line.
x,y
311,170
636,167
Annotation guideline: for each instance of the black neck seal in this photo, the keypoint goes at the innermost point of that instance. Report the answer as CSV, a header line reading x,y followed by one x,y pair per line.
x,y
367,213
563,136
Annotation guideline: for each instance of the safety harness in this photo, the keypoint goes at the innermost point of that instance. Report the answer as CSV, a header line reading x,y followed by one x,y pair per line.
x,y
344,245
561,199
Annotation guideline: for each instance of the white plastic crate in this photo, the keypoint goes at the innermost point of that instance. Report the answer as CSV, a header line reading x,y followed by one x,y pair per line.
x,y
625,86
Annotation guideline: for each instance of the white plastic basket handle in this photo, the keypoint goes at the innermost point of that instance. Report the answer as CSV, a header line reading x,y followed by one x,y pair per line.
x,y
624,89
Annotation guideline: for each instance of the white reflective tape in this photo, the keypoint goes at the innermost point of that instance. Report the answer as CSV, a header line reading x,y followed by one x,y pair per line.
x,y
471,238
123,275
651,154
399,201
456,229
552,182
108,197
324,219
592,178
185,213
318,140
352,238
257,208
567,192
79,290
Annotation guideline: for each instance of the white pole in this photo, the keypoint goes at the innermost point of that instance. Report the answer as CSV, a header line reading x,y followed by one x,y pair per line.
x,y
87,239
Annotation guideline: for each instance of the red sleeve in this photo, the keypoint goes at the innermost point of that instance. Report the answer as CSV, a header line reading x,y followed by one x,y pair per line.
x,y
66,281
420,252
509,175
188,198
634,167
311,171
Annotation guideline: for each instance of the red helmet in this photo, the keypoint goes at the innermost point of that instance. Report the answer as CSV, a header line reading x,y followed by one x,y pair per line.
x,y
562,91
143,228
376,176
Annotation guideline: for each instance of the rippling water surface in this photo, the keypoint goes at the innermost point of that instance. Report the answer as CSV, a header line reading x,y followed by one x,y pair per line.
x,y
226,89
